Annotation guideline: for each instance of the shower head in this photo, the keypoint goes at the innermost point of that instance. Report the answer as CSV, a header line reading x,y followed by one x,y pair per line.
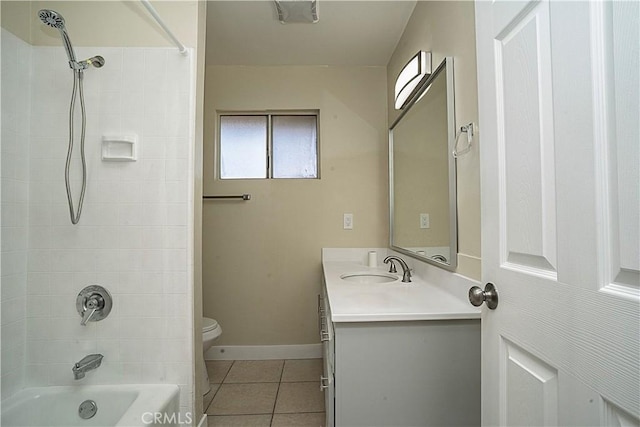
x,y
52,18
55,20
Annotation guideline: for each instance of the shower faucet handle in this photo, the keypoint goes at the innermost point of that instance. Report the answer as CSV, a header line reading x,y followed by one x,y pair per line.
x,y
93,304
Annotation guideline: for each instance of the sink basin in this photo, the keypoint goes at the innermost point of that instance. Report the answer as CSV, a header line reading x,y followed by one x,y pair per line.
x,y
368,277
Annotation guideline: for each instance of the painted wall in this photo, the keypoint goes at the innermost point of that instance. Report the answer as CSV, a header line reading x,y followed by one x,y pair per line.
x,y
447,28
16,18
261,258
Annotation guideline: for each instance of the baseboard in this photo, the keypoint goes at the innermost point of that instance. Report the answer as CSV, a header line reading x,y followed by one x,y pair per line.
x,y
203,421
264,352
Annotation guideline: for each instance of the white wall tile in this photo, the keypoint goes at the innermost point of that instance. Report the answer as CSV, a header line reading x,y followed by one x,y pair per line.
x,y
36,374
175,282
14,152
176,170
176,214
154,148
176,305
175,259
141,306
38,306
133,234
38,328
153,373
141,327
38,283
13,310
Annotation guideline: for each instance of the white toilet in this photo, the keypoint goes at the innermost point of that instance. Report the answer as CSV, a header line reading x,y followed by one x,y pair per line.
x,y
210,331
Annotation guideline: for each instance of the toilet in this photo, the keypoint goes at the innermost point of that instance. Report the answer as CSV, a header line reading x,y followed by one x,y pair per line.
x,y
210,331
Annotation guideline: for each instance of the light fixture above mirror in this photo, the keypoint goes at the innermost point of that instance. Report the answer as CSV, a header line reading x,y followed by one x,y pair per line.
x,y
413,74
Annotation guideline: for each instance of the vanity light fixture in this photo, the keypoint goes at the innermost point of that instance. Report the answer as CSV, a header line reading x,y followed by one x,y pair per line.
x,y
297,11
413,74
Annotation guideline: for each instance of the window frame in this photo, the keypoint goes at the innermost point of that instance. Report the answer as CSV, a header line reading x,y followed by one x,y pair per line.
x,y
269,140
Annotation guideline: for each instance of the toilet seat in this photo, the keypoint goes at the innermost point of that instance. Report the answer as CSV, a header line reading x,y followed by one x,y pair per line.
x,y
210,331
208,324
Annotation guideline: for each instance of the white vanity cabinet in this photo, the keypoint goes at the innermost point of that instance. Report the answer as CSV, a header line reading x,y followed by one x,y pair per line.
x,y
400,373
325,328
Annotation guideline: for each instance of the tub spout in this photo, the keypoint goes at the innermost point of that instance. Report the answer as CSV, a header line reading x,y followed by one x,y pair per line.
x,y
88,363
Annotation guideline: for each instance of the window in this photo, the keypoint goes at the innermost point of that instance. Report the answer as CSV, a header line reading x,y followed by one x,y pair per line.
x,y
268,145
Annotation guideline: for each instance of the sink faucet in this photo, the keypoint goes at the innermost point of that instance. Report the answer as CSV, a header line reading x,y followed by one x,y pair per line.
x,y
406,274
88,363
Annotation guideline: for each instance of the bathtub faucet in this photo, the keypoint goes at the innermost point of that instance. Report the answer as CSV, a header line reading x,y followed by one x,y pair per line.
x,y
88,363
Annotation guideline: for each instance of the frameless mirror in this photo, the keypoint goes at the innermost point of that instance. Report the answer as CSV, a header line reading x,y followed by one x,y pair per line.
x,y
422,173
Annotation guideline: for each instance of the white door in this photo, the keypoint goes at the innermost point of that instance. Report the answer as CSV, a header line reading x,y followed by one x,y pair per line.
x,y
559,120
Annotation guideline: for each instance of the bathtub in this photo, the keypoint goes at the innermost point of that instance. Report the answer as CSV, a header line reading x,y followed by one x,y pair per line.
x,y
117,405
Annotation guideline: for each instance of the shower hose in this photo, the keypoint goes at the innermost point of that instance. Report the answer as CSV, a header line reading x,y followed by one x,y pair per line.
x,y
77,83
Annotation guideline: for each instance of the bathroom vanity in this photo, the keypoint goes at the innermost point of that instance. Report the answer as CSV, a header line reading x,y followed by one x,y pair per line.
x,y
397,354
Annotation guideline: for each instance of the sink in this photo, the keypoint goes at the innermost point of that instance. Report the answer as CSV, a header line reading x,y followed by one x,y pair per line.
x,y
368,277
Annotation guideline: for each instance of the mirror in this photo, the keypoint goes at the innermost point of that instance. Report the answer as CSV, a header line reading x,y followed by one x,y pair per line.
x,y
422,173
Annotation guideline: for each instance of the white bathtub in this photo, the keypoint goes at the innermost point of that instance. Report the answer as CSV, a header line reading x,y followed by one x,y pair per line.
x,y
118,405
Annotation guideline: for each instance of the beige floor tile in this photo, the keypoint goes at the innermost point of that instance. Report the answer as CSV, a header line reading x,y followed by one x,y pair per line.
x,y
255,371
207,398
302,370
243,399
298,420
239,420
218,369
299,397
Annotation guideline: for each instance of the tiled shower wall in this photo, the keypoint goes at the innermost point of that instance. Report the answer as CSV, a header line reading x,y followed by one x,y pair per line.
x,y
16,67
134,234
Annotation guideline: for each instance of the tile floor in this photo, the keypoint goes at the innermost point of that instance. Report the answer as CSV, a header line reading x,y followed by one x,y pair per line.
x,y
269,393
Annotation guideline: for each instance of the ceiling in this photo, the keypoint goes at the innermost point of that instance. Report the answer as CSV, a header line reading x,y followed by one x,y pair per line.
x,y
348,33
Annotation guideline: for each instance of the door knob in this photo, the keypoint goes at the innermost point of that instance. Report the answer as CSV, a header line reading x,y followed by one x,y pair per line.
x,y
490,295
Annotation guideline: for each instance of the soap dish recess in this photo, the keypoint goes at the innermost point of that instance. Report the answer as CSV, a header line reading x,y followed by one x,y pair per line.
x,y
119,148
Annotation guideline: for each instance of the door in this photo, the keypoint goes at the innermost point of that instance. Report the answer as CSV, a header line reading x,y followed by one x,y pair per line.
x,y
558,98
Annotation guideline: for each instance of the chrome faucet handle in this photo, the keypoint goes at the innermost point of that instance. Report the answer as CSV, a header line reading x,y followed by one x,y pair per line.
x,y
93,304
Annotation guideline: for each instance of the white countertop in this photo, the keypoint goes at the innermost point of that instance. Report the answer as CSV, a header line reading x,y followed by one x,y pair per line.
x,y
392,301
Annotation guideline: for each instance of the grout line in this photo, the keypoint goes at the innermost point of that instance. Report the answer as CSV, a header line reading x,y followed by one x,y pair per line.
x,y
237,415
275,402
227,374
219,387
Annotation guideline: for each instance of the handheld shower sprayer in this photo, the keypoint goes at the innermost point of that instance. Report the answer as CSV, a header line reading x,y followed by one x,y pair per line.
x,y
55,20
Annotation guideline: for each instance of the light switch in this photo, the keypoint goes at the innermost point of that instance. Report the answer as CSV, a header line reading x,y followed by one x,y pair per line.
x,y
347,222
424,220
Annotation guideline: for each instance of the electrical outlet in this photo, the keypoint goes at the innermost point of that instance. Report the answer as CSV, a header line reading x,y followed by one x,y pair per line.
x,y
424,220
347,221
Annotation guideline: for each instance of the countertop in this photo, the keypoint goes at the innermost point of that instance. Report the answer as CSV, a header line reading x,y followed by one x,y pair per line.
x,y
392,301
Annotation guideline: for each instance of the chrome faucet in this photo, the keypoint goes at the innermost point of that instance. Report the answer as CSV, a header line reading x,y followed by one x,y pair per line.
x,y
88,363
406,273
